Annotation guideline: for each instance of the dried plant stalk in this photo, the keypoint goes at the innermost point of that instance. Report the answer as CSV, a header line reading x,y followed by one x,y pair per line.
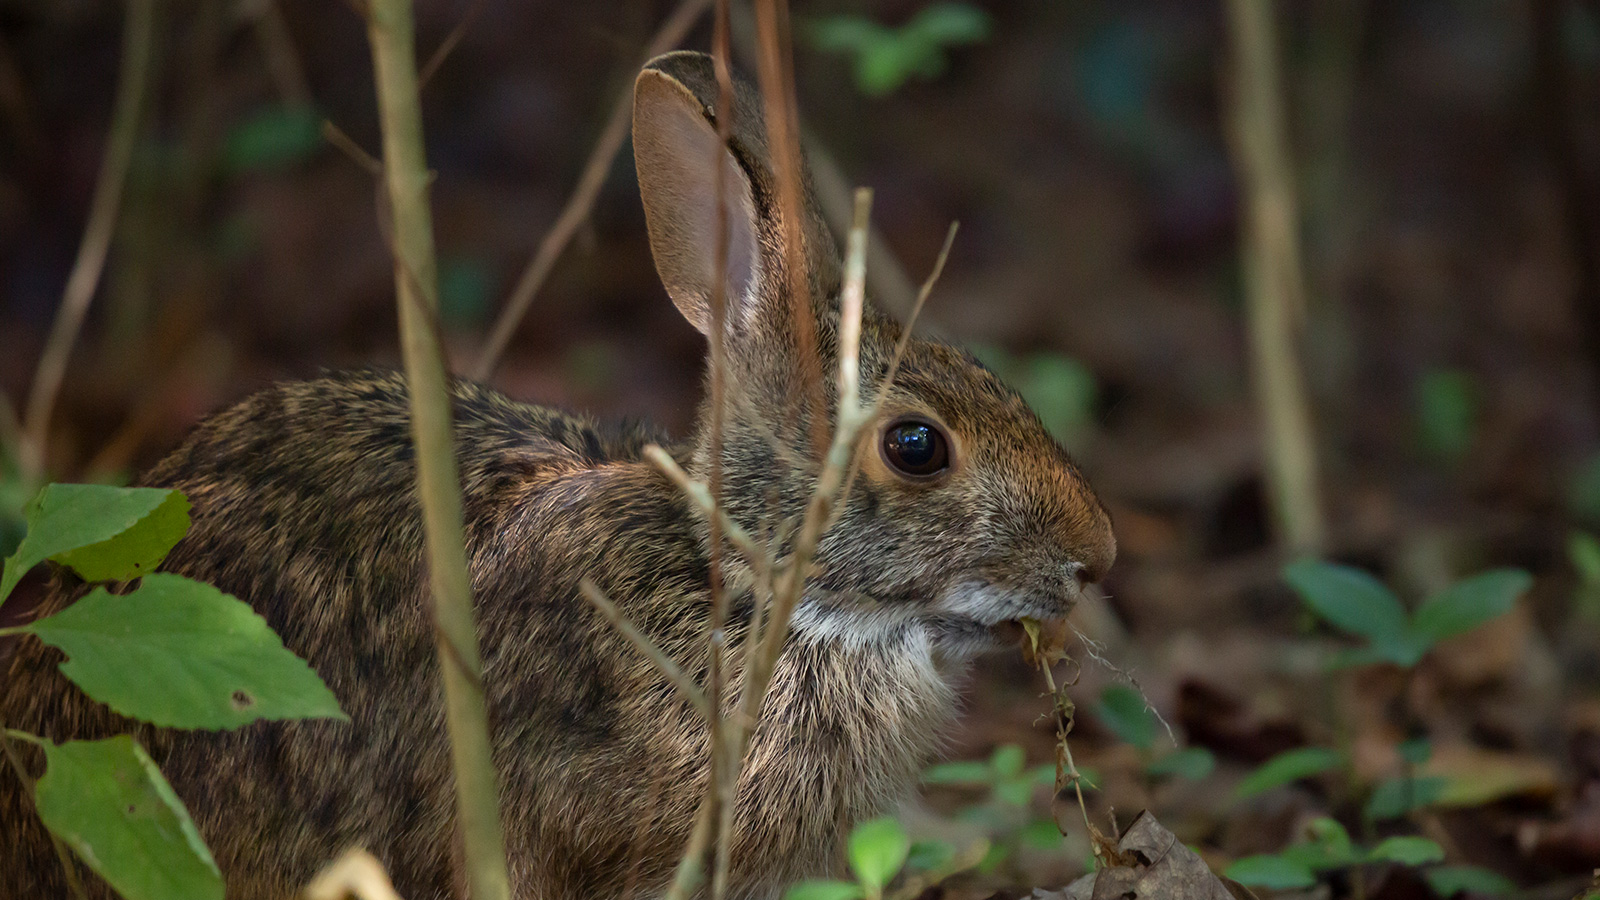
x,y
132,84
1275,285
581,203
406,177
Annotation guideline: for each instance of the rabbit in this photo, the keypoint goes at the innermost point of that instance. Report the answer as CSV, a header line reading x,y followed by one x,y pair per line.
x,y
965,516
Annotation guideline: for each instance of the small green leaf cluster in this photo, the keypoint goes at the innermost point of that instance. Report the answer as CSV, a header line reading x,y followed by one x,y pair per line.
x,y
1355,602
273,138
886,58
173,652
1124,710
1328,847
1004,814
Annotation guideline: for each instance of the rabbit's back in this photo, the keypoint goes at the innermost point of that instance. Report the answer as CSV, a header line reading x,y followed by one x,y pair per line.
x,y
304,506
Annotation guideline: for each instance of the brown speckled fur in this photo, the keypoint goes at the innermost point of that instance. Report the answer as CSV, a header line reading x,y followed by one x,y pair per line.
x,y
303,506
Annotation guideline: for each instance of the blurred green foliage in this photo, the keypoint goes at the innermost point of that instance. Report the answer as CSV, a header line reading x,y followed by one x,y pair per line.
x,y
1447,410
1059,388
886,58
276,137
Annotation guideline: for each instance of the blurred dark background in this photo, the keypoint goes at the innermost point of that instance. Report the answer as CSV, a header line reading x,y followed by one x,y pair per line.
x,y
1447,155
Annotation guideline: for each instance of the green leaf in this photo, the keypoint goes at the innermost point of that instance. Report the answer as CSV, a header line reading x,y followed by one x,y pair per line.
x,y
1447,881
925,855
1583,494
110,804
1044,774
1349,599
1396,797
1289,767
273,138
823,890
878,848
104,533
837,34
1270,871
1007,760
1330,846
1406,850
1193,763
182,654
1467,604
1042,834
1122,709
1447,413
966,772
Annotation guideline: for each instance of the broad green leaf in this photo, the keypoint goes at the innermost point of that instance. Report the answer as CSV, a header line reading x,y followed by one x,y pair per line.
x,y
1060,389
104,533
1288,767
1044,774
1193,763
110,804
1270,871
1007,760
273,138
878,848
823,890
1348,598
1448,881
925,855
964,772
1467,604
182,654
1122,709
1397,796
1406,850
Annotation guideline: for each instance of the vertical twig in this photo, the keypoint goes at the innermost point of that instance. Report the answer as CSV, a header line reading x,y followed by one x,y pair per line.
x,y
722,775
892,288
579,205
1274,281
775,72
389,30
137,38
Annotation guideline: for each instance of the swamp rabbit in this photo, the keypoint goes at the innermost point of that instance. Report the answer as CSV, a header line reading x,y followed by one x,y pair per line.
x,y
965,515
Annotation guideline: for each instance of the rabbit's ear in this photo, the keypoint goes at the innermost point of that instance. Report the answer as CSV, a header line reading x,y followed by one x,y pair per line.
x,y
679,157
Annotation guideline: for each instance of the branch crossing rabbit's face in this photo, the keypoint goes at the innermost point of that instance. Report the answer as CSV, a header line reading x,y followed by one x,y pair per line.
x,y
965,514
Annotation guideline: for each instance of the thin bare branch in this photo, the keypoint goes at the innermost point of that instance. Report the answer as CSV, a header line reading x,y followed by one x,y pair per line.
x,y
724,771
581,203
1274,283
848,420
775,71
663,663
406,178
449,44
283,60
700,496
346,144
132,83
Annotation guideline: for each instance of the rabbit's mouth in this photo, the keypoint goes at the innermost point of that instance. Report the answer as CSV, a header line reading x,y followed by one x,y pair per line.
x,y
980,616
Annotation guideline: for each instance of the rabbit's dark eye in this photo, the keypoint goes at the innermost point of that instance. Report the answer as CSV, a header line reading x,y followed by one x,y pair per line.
x,y
916,448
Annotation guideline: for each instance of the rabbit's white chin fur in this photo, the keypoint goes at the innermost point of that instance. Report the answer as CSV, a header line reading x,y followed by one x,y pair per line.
x,y
967,619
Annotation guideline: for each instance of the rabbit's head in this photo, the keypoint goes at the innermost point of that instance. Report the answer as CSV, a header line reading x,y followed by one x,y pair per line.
x,y
965,513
